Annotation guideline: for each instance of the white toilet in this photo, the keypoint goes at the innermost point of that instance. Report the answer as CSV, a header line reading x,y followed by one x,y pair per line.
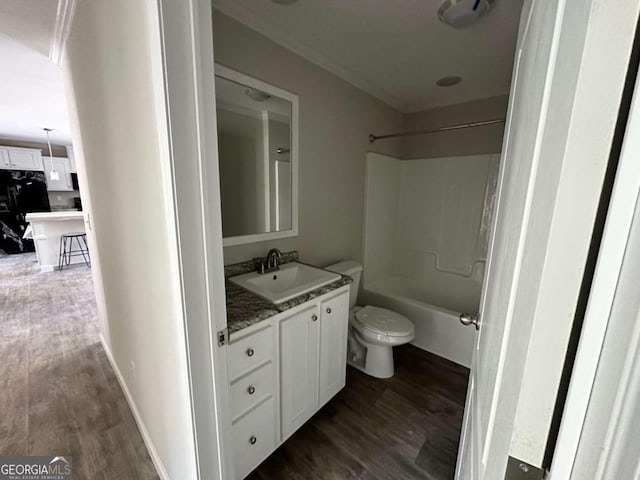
x,y
373,331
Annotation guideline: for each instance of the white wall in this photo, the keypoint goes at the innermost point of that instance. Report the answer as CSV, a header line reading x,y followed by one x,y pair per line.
x,y
335,122
112,67
469,141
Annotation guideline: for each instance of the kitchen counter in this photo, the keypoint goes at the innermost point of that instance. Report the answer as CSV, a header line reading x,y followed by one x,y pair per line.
x,y
47,227
245,308
60,216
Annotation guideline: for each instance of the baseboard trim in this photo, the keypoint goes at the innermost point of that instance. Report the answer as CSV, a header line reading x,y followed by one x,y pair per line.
x,y
155,458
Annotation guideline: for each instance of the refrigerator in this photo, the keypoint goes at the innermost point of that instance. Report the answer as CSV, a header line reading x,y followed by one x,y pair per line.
x,y
21,192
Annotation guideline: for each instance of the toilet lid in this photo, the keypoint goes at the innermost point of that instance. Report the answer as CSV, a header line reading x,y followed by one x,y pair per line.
x,y
384,322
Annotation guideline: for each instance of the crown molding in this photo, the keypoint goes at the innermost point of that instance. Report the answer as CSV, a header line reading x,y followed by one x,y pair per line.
x,y
61,28
249,19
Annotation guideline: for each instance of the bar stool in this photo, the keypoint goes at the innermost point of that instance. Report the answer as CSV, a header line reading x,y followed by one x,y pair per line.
x,y
67,251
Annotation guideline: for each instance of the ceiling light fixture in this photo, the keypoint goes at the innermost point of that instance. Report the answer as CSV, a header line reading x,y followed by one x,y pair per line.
x,y
449,81
284,2
53,174
462,13
257,95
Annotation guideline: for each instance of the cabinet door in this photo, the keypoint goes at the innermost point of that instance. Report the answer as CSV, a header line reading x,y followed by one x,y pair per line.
x,y
72,160
61,166
334,322
25,159
298,337
4,158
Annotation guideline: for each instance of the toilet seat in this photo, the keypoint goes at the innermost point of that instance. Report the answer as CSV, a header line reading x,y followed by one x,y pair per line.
x,y
384,322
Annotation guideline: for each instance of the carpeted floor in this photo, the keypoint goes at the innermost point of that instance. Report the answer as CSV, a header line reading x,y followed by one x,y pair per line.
x,y
58,393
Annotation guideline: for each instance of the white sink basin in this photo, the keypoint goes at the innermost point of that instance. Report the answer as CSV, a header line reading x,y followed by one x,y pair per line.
x,y
293,279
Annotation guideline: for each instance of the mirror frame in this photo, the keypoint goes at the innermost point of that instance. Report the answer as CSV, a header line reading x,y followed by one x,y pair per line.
x,y
234,76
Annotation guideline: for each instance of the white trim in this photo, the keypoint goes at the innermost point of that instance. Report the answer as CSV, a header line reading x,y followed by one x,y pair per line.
x,y
610,258
189,94
266,170
155,458
276,180
61,28
248,18
235,76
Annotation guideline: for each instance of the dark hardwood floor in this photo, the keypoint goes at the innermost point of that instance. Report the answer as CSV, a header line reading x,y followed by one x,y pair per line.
x,y
406,427
58,393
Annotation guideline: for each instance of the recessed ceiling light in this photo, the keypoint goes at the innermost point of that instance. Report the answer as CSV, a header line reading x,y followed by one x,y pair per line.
x,y
462,13
449,81
257,95
284,2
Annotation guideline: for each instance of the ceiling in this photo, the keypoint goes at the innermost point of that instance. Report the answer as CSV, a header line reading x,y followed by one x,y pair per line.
x,y
32,92
394,50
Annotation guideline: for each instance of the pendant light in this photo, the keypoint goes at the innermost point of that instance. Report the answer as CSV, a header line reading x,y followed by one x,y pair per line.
x,y
53,174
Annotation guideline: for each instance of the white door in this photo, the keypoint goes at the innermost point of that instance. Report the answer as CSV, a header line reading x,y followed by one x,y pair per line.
x,y
334,320
520,155
298,369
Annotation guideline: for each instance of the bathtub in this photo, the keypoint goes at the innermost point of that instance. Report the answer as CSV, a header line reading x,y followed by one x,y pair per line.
x,y
438,329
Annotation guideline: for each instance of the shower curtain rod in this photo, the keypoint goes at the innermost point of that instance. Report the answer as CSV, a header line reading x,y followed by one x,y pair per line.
x,y
373,138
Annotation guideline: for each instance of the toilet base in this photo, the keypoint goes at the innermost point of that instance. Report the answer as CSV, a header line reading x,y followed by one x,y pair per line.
x,y
378,362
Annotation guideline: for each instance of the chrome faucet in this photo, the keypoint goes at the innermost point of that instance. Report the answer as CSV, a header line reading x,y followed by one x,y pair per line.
x,y
273,260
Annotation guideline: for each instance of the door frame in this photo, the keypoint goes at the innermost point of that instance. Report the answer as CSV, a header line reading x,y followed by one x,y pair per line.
x,y
574,152
619,222
185,93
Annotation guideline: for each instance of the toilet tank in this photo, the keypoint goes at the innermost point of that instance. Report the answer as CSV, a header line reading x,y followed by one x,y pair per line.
x,y
352,269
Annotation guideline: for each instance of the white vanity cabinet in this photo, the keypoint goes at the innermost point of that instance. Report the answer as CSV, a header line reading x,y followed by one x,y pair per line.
x,y
281,371
299,362
251,392
333,346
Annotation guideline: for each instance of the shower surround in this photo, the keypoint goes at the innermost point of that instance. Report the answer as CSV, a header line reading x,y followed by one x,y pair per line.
x,y
427,225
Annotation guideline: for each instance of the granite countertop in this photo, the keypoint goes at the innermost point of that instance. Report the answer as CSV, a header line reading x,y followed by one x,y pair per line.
x,y
245,308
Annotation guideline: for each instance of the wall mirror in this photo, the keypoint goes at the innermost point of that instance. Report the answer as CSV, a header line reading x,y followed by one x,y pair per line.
x,y
258,158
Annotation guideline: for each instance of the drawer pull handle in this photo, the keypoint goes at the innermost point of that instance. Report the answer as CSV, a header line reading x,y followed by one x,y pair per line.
x,y
314,317
250,352
328,310
253,440
251,389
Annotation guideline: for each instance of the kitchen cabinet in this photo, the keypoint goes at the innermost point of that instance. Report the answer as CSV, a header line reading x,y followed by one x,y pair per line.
x,y
61,166
281,371
16,158
72,160
4,158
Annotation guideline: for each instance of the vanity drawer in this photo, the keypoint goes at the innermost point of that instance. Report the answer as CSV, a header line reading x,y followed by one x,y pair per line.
x,y
250,352
254,438
251,389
